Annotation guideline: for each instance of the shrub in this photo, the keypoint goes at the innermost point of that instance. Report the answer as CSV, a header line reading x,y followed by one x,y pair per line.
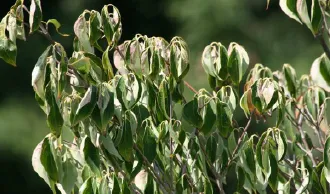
x,y
127,135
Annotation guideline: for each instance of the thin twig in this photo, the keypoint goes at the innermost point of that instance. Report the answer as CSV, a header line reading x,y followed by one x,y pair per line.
x,y
190,87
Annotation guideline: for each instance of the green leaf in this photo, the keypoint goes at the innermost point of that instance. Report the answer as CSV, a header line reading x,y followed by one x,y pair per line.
x,y
149,145
48,161
282,145
290,79
104,187
125,147
69,178
128,90
274,171
240,177
111,24
95,25
224,119
326,153
289,7
35,15
109,146
303,13
209,117
44,164
211,147
8,49
190,113
237,63
320,72
104,109
81,31
86,187
57,26
54,117
163,99
39,74
82,65
91,155
106,64
86,105
316,17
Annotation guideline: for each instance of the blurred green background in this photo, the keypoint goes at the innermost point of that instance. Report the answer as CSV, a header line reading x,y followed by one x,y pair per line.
x,y
270,38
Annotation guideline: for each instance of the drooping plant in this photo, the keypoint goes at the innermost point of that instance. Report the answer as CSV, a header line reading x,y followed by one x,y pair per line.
x,y
127,137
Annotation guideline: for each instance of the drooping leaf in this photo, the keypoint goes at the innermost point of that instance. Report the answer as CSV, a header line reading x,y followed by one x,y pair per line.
x,y
69,178
81,31
86,105
35,15
190,113
8,49
54,117
125,147
289,7
39,73
91,155
57,26
87,187
106,64
109,146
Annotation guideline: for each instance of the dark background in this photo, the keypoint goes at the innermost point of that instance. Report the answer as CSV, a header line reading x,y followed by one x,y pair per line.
x,y
270,38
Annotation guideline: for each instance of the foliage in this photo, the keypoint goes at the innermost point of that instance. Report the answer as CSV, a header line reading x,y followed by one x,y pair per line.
x,y
127,135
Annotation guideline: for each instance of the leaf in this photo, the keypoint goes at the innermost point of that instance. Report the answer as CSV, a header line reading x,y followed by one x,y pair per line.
x,y
69,179
163,99
326,153
150,145
316,17
106,64
86,187
125,147
274,171
320,72
282,145
81,31
105,108
303,13
86,105
237,63
95,25
128,90
289,7
57,26
209,117
8,49
35,15
109,146
190,113
211,147
111,25
43,162
54,117
39,74
240,177
290,79
82,65
91,155
224,119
